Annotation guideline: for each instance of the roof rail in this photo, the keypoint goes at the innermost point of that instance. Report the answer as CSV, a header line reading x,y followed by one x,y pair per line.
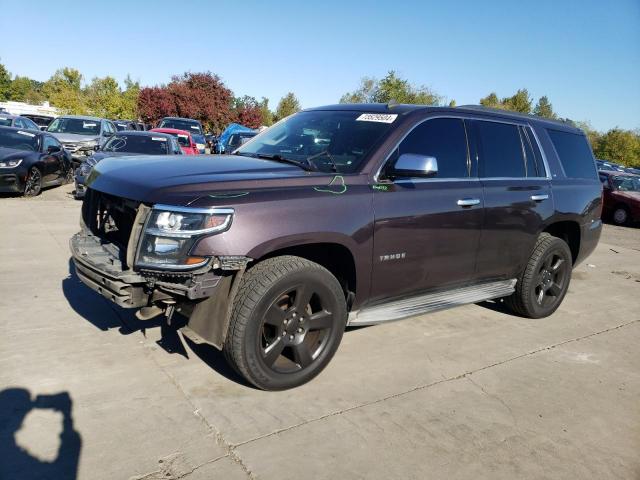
x,y
501,111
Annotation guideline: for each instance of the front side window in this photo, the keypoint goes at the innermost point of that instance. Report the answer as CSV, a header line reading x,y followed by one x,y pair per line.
x,y
30,124
49,142
5,121
327,140
574,153
626,184
442,138
501,149
78,126
148,145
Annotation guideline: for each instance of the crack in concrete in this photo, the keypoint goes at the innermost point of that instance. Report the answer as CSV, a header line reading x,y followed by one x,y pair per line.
x,y
432,384
219,437
495,397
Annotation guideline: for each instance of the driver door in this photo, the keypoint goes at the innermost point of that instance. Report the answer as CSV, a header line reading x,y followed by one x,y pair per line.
x,y
427,230
52,162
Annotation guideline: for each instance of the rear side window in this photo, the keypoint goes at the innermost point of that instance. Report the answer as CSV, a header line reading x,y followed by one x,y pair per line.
x,y
443,138
502,150
574,153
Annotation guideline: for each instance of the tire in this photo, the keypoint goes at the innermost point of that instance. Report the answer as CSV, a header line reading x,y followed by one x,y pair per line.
x,y
545,280
33,183
287,321
620,215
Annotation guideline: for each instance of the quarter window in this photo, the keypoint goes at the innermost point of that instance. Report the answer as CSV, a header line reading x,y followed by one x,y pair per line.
x,y
502,150
574,153
442,138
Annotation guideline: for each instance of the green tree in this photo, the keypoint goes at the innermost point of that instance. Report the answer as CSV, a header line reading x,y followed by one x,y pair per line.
x,y
288,105
491,101
592,134
544,108
520,102
620,146
391,89
19,88
104,98
5,83
129,103
364,94
265,113
452,103
64,91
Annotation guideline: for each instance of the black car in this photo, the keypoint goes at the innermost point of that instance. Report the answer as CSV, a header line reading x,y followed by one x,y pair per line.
x,y
122,125
17,121
31,160
127,143
42,121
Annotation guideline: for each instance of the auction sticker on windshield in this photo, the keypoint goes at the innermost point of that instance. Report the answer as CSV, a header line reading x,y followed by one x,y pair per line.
x,y
159,139
377,117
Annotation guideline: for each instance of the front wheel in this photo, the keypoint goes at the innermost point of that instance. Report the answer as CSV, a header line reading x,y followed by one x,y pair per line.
x,y
287,322
33,183
544,281
620,216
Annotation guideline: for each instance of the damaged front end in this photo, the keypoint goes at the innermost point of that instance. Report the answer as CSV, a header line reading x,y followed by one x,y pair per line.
x,y
139,256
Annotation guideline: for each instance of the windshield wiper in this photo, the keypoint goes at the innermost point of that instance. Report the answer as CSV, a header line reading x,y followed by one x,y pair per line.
x,y
324,153
279,158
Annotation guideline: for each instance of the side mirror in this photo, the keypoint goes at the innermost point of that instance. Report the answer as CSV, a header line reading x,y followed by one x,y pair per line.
x,y
53,149
414,165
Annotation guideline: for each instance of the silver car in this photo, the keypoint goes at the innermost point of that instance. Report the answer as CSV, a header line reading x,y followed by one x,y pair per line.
x,y
81,136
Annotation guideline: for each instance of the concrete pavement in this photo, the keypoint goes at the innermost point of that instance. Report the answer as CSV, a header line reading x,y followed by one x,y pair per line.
x,y
467,393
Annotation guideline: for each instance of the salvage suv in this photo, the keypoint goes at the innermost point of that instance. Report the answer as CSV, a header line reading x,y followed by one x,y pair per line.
x,y
342,215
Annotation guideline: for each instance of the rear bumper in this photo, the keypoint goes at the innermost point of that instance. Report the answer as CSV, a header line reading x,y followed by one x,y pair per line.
x,y
589,237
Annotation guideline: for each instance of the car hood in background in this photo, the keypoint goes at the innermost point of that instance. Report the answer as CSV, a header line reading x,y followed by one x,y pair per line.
x,y
180,180
75,138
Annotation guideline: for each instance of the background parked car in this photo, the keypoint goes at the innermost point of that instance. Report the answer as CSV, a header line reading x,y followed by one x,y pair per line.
x,y
31,160
201,142
80,135
17,121
609,166
42,121
232,137
127,143
122,125
187,144
179,123
621,193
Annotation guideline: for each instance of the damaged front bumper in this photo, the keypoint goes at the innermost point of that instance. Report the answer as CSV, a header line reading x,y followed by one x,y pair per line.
x,y
103,268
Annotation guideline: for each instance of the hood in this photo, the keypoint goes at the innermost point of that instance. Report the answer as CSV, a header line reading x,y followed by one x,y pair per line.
x,y
96,157
75,138
12,153
180,180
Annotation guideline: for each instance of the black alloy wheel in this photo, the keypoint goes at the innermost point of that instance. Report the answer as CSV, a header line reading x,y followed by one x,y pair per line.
x,y
33,183
287,321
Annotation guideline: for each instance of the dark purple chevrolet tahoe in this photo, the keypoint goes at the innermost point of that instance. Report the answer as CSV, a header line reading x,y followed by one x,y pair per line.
x,y
342,215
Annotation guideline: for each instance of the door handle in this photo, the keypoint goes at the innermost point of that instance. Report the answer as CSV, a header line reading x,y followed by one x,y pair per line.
x,y
468,202
539,198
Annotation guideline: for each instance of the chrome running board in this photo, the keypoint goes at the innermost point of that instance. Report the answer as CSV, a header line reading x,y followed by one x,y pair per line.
x,y
431,302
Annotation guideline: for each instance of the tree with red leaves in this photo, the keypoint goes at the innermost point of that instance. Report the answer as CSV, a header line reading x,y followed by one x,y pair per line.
x,y
248,111
201,96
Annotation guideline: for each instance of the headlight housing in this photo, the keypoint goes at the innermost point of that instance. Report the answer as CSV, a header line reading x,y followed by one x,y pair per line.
x,y
171,232
88,148
10,163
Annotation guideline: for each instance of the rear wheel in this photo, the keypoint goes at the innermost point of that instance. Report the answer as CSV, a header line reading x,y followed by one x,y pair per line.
x,y
287,322
33,184
544,281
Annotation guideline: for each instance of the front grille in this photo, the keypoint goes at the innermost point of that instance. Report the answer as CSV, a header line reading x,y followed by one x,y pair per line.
x,y
111,219
72,147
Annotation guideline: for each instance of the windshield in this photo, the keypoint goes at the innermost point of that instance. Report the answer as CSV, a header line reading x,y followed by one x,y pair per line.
x,y
19,140
627,184
77,126
150,145
189,126
342,138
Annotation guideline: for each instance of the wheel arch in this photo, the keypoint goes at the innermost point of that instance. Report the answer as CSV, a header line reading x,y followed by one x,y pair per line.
x,y
569,231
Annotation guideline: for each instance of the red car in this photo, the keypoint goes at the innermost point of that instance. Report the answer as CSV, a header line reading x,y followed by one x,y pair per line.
x,y
621,197
187,144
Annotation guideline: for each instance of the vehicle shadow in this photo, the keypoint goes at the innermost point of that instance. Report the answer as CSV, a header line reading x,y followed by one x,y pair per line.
x,y
16,461
105,315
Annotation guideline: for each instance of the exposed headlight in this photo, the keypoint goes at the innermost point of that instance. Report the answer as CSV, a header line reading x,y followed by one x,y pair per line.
x,y
10,163
88,148
171,232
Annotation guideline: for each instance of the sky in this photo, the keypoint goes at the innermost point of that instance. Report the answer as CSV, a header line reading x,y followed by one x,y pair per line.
x,y
584,55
